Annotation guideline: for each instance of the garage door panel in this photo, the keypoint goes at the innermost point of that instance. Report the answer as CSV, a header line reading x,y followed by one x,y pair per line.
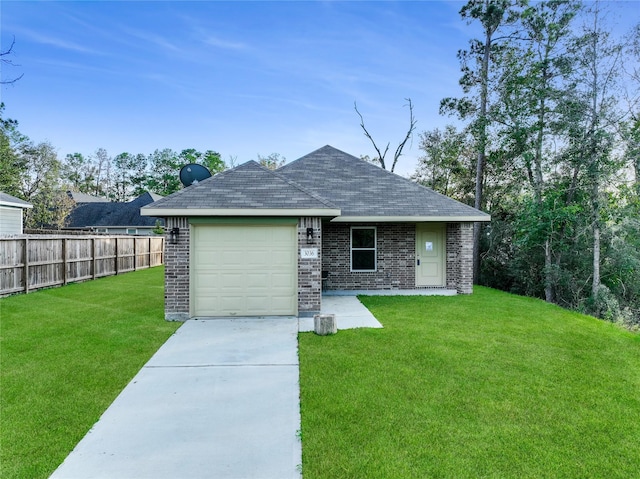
x,y
257,279
230,258
244,270
281,257
282,281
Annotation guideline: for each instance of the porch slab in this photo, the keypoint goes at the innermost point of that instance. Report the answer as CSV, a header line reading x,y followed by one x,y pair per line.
x,y
349,311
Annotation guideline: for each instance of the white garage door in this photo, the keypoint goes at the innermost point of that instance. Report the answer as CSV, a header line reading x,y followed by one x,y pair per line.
x,y
244,270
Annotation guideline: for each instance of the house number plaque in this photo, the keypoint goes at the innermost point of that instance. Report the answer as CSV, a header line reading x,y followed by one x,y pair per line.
x,y
309,253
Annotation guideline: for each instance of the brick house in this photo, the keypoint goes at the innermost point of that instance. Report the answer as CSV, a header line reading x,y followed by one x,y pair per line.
x,y
254,242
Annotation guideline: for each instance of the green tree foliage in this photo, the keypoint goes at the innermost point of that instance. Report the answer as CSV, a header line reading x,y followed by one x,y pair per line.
x,y
40,184
479,65
561,156
12,165
127,175
164,167
209,159
446,163
79,173
272,161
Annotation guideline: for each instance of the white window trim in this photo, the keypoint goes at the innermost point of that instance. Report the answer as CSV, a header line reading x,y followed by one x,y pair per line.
x,y
375,249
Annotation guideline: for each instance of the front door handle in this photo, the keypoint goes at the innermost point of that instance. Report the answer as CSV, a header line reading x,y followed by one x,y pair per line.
x,y
418,262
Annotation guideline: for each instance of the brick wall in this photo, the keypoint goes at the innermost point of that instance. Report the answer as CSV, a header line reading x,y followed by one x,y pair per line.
x,y
309,270
395,262
460,257
453,251
465,282
176,272
395,258
176,296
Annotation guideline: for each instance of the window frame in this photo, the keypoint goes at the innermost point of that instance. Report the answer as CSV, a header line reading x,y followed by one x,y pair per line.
x,y
374,249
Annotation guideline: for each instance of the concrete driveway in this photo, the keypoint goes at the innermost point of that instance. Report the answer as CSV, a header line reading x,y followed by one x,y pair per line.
x,y
220,399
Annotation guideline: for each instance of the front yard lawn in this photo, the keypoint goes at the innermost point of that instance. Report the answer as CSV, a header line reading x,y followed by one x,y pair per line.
x,y
66,353
484,386
489,385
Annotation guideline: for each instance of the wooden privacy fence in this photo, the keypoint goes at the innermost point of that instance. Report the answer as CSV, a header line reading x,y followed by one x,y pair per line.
x,y
39,261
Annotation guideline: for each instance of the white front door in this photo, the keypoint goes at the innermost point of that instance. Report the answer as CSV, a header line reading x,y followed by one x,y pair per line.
x,y
430,254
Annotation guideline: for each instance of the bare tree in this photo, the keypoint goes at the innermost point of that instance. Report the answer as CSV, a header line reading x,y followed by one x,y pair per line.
x,y
381,155
6,61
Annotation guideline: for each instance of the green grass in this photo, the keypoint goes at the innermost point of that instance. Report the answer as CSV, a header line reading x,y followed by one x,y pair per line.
x,y
489,385
65,355
483,386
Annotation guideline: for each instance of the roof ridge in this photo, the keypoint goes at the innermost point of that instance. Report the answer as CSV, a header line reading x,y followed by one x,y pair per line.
x,y
290,182
314,195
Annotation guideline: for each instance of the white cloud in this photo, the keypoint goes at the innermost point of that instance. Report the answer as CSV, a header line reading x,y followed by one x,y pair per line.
x,y
56,42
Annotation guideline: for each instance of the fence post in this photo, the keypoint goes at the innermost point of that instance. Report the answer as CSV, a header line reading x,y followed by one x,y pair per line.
x,y
115,268
149,263
26,266
93,258
135,254
64,261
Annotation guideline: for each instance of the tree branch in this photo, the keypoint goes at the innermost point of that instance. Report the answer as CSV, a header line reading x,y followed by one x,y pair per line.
x,y
412,126
9,62
366,133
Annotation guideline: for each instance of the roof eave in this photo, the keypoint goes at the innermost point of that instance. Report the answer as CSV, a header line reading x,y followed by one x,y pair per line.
x,y
411,219
166,212
16,205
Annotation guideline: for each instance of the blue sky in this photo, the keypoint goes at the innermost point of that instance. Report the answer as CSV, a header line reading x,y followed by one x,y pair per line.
x,y
242,78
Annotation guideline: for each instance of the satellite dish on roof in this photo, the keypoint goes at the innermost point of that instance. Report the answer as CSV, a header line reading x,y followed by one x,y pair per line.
x,y
193,173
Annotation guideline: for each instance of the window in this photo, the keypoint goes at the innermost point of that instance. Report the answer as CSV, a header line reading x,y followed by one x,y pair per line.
x,y
132,231
363,248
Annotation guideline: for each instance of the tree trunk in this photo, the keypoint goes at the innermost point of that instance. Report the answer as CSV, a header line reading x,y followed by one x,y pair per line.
x,y
549,275
595,285
482,154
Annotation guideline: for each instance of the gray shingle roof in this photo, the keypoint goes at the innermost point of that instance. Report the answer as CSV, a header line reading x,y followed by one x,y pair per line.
x,y
110,214
246,186
361,189
327,179
7,199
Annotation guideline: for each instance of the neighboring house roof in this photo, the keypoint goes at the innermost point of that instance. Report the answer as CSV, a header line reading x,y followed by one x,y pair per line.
x,y
328,181
85,198
8,200
248,189
110,214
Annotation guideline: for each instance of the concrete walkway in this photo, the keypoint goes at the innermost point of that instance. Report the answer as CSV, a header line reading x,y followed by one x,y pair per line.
x,y
350,313
220,399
